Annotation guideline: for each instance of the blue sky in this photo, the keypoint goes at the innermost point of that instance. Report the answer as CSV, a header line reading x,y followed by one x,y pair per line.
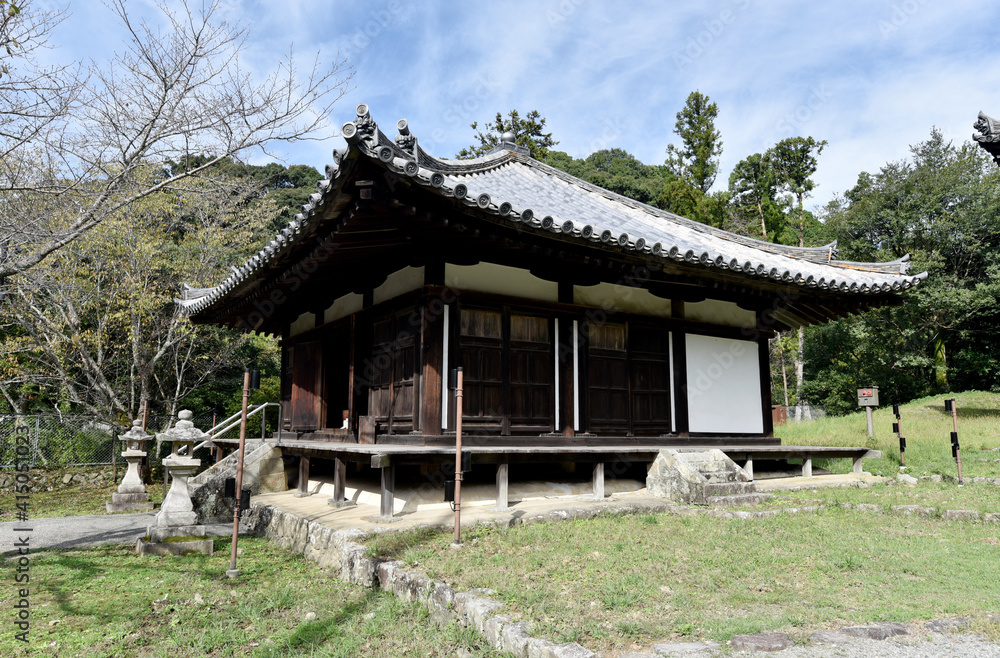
x,y
871,78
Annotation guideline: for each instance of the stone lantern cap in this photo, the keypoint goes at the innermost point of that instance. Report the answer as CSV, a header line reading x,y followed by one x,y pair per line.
x,y
183,434
135,439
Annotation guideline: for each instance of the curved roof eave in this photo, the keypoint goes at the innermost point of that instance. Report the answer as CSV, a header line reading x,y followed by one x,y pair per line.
x,y
513,187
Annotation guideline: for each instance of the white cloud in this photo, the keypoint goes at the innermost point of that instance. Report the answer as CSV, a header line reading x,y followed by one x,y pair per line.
x,y
871,78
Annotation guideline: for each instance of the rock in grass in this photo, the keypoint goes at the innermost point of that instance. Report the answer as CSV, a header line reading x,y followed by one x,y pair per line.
x,y
830,637
761,642
879,631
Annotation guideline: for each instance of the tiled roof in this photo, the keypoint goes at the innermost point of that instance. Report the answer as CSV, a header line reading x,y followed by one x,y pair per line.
x,y
513,187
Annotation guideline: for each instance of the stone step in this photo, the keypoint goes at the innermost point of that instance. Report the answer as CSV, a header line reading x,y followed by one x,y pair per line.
x,y
728,476
728,488
738,499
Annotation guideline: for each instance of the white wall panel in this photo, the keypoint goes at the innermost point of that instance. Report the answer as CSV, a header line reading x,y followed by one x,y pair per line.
x,y
723,381
500,280
398,283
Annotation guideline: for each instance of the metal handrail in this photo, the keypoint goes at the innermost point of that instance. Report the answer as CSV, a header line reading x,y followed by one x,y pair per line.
x,y
235,420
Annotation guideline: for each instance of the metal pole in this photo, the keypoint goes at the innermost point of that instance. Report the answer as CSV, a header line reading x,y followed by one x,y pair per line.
x,y
232,571
458,457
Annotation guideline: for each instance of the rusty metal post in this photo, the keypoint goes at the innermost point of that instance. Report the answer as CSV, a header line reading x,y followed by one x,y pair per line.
x,y
898,425
232,572
958,449
458,457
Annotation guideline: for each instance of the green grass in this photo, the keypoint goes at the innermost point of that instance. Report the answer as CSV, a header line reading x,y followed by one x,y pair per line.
x,y
617,582
73,500
939,495
110,602
927,428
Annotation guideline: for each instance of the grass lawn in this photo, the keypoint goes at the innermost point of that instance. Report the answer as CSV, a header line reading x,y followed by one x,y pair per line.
x,y
939,495
110,602
75,500
927,428
617,582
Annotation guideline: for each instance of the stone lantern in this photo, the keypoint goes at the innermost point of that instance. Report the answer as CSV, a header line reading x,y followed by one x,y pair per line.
x,y
131,495
177,521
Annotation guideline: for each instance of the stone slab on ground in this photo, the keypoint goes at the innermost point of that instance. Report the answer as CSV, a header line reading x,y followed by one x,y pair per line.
x,y
681,648
204,546
830,637
761,642
880,631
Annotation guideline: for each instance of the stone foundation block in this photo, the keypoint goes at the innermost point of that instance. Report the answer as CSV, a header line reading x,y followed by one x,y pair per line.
x,y
514,639
441,603
204,546
493,629
473,610
159,534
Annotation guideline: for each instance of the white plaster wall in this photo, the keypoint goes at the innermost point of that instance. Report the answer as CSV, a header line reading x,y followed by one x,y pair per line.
x,y
614,297
341,307
713,311
723,377
500,280
303,323
398,283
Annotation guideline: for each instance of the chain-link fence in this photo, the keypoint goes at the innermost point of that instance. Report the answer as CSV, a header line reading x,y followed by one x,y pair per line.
x,y
59,440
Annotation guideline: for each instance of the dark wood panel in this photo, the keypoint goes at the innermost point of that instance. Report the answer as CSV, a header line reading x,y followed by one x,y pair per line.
x,y
306,399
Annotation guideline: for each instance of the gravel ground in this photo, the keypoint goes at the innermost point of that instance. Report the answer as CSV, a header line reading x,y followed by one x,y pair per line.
x,y
907,646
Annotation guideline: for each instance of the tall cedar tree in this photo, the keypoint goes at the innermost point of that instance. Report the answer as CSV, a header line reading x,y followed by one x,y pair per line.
x,y
697,160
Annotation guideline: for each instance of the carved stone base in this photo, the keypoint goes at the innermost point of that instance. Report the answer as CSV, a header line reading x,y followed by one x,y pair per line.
x,y
129,502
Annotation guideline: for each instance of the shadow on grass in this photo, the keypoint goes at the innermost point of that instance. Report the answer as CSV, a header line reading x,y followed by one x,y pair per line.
x,y
393,545
312,634
965,412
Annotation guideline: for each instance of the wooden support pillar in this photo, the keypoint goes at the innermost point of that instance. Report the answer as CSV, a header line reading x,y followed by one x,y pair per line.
x,y
598,480
431,366
388,490
807,467
503,501
567,375
764,366
303,488
339,481
748,466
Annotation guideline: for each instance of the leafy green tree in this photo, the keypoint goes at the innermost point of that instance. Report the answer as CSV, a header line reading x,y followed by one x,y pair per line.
x,y
529,132
794,161
754,200
95,329
942,206
696,161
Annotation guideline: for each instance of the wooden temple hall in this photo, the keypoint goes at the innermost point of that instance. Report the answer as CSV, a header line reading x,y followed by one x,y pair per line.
x,y
590,327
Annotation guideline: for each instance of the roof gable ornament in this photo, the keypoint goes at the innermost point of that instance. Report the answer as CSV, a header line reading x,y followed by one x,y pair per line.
x,y
989,138
508,142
